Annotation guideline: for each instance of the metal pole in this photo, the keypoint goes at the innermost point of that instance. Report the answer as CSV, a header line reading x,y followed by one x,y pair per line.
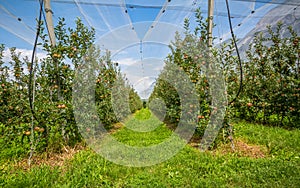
x,y
210,21
49,14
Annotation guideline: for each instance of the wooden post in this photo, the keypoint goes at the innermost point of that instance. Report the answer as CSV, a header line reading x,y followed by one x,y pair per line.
x,y
210,21
49,14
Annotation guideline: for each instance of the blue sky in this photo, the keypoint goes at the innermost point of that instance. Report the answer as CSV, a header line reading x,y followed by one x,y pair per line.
x,y
27,10
123,24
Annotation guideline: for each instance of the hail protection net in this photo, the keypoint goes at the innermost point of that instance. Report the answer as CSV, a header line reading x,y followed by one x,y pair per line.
x,y
138,32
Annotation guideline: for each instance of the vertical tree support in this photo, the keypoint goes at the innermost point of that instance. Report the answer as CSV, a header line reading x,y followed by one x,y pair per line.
x,y
49,14
210,21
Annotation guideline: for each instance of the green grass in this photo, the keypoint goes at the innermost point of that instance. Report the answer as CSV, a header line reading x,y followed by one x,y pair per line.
x,y
189,168
280,142
143,130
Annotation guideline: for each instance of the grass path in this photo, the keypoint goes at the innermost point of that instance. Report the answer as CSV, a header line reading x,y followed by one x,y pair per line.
x,y
280,167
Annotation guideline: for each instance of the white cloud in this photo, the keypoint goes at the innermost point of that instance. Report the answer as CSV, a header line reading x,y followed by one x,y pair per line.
x,y
23,53
126,61
141,79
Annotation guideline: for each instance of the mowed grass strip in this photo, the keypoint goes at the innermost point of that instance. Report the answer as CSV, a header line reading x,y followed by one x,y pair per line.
x,y
188,168
135,130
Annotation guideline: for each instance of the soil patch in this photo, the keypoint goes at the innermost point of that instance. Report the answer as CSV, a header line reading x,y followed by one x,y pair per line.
x,y
242,149
50,159
115,127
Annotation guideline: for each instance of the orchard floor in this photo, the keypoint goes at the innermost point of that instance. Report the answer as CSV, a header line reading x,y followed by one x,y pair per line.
x,y
263,157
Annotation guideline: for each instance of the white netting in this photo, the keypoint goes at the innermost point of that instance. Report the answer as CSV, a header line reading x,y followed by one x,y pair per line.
x,y
137,31
106,16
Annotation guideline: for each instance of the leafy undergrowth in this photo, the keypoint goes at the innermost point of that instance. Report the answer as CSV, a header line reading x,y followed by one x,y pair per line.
x,y
263,157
